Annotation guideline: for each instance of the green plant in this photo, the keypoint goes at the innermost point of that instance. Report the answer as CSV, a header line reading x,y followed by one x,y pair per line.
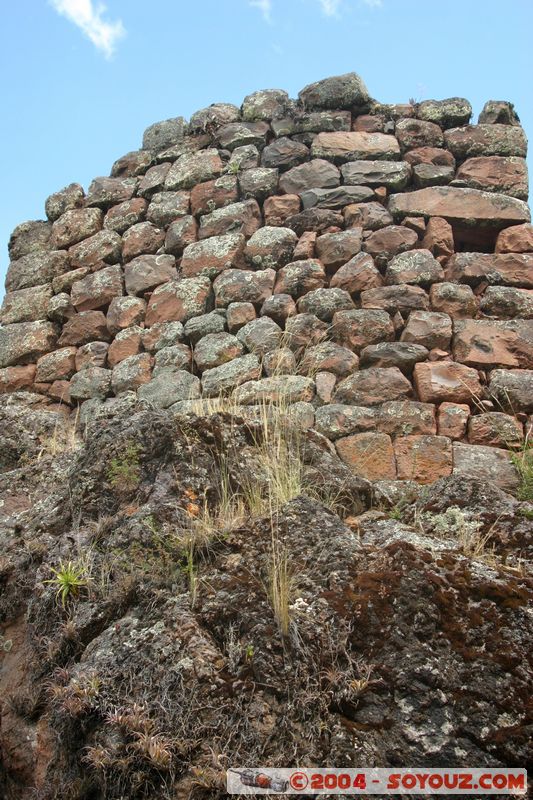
x,y
124,470
68,580
190,569
280,587
249,653
523,462
459,524
526,512
234,167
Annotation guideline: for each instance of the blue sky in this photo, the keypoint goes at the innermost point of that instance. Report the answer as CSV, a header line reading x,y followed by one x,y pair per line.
x,y
80,82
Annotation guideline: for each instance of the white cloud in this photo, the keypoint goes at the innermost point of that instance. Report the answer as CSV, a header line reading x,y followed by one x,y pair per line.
x,y
264,6
330,7
104,35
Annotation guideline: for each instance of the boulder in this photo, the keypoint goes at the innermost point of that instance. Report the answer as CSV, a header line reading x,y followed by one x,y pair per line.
x,y
198,327
417,267
354,146
72,196
144,273
486,344
131,373
244,217
276,389
227,376
265,105
122,216
486,140
507,175
141,239
75,225
343,91
25,342
89,383
194,168
36,269
449,113
87,326
395,175
423,459
469,207
315,174
205,197
238,285
212,256
107,192
361,327
167,206
512,389
300,277
179,300
169,386
446,381
336,420
516,239
428,328
372,386
163,134
487,464
26,305
98,289
369,455
324,303
412,133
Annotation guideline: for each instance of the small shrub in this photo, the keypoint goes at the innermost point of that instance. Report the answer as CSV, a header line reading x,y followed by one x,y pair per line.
x,y
280,588
459,524
69,579
124,470
523,462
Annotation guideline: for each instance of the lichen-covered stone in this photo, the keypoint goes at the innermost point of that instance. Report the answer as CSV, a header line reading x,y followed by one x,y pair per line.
x,y
394,175
342,91
195,168
354,146
98,289
36,269
369,455
449,113
227,376
372,386
260,336
237,285
486,140
243,217
205,324
169,386
146,272
215,349
24,342
72,196
179,300
75,225
418,267
324,303
26,305
276,389
163,134
131,373
91,382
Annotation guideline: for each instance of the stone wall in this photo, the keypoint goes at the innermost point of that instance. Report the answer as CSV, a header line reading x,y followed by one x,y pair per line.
x,y
371,264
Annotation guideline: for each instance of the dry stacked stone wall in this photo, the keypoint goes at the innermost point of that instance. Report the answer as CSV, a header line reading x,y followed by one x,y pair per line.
x,y
370,264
